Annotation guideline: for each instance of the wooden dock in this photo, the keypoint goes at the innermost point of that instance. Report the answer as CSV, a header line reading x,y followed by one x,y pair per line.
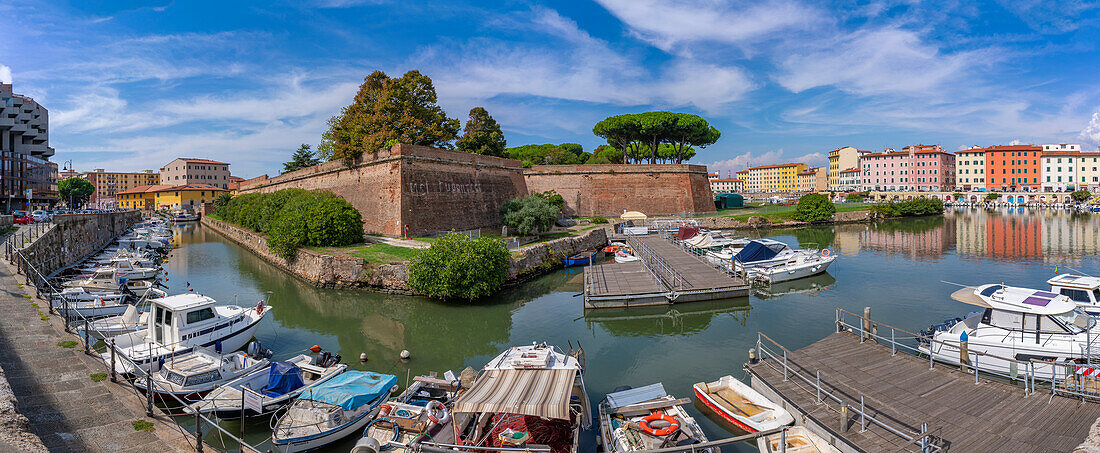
x,y
664,275
900,390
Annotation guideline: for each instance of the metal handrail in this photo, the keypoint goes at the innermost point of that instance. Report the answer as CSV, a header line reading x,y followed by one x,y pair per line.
x,y
921,437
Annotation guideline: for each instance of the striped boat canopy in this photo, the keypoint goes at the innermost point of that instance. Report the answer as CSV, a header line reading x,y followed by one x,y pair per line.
x,y
543,393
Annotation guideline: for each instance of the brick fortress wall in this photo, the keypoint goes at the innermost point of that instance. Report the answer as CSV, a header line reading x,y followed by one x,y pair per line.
x,y
427,189
608,190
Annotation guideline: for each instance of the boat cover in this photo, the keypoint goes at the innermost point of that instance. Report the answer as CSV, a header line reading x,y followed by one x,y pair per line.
x,y
635,396
687,232
352,389
283,378
755,251
702,241
543,393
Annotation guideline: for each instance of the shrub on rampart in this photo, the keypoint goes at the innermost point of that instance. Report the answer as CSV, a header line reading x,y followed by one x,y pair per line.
x,y
458,267
292,218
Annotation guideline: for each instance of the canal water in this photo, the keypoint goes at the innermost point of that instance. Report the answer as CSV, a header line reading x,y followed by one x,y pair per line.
x,y
897,268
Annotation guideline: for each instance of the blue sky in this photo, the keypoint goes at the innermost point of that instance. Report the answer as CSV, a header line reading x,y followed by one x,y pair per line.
x,y
131,85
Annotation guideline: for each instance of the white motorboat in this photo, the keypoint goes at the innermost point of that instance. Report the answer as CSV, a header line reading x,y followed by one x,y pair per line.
x,y
622,256
332,410
739,404
189,377
646,418
139,243
77,303
124,267
108,258
107,279
764,252
277,385
129,321
799,440
186,217
1015,324
420,412
181,322
554,407
1083,290
799,266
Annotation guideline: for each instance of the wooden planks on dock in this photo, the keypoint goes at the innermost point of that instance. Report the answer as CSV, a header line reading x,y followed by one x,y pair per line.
x,y
989,416
695,273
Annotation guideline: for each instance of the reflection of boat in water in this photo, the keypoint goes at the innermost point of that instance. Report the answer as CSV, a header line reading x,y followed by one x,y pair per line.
x,y
680,318
810,286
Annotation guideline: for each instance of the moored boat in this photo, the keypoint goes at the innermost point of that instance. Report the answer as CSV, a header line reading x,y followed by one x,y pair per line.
x,y
646,418
332,411
1084,290
420,412
800,266
739,404
189,377
277,385
580,259
799,440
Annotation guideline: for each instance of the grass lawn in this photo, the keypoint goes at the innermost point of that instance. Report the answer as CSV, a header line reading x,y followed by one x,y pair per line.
x,y
373,253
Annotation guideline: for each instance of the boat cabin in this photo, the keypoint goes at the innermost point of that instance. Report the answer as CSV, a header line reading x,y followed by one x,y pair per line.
x,y
1083,290
182,317
1030,315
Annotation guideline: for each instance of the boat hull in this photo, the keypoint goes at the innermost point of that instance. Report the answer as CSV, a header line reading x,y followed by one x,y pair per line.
x,y
795,273
779,417
311,443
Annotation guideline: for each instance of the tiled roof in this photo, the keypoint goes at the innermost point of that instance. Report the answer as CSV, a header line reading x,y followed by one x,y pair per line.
x,y
774,166
850,170
726,180
1015,148
193,160
169,188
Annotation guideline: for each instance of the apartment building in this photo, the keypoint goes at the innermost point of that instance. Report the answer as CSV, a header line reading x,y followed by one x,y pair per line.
x,y
842,159
726,185
1064,167
970,169
195,171
1013,168
849,181
916,167
28,180
813,180
168,197
772,178
109,183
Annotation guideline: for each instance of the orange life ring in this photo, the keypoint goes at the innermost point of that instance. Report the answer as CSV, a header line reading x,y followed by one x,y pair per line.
x,y
826,252
259,307
672,427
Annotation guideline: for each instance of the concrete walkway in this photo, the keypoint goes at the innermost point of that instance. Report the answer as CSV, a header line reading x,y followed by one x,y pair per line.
x,y
54,390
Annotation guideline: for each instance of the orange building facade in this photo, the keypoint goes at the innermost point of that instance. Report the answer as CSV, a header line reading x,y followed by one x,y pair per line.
x,y
1013,167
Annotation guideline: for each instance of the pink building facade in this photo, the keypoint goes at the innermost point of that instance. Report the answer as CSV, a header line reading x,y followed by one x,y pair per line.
x,y
915,168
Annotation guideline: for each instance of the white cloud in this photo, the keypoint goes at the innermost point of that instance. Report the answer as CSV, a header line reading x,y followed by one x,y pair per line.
x,y
1050,16
5,74
666,24
1015,142
1091,133
869,62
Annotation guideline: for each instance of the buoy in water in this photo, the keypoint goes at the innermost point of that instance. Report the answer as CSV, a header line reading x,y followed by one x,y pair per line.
x,y
363,357
405,354
315,348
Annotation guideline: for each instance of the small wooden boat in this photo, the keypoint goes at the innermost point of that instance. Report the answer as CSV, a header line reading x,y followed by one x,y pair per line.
x,y
580,259
420,412
739,404
799,440
646,418
332,411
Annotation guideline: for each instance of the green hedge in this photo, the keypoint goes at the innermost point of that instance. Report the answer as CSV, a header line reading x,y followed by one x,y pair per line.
x,y
458,267
292,218
914,207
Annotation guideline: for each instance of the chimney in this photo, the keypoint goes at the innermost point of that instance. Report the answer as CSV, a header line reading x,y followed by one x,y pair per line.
x,y
729,173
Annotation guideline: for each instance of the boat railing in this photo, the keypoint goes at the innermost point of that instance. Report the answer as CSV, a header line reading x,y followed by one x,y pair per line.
x,y
154,389
1064,378
770,351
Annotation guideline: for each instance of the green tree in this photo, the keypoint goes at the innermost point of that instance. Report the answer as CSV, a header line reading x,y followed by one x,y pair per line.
x,y
813,208
1081,196
606,154
482,135
388,110
548,154
636,132
555,199
75,191
222,200
458,267
529,214
992,196
301,158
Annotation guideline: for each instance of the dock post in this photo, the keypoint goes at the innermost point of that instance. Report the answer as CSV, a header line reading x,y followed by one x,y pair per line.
x,y
818,386
198,431
964,352
752,356
862,415
114,375
149,389
865,331
67,313
843,417
87,337
783,440
893,343
975,369
784,365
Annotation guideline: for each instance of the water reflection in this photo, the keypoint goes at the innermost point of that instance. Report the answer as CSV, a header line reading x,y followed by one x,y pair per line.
x,y
680,319
810,286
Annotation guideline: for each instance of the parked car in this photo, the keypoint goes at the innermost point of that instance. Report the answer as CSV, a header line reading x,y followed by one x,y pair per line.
x,y
21,217
40,216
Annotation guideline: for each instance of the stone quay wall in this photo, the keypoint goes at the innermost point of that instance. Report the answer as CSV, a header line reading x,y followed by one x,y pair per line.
x,y
608,190
345,271
74,236
412,189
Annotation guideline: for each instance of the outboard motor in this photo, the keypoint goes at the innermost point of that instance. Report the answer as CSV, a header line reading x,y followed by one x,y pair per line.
x,y
323,358
254,350
366,445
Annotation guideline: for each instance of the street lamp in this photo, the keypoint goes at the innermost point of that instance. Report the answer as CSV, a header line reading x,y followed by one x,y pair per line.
x,y
69,167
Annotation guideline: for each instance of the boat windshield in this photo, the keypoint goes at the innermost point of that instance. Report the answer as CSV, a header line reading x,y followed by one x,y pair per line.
x,y
1074,321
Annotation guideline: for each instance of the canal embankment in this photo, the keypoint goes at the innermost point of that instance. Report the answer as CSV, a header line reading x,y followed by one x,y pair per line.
x,y
71,237
332,271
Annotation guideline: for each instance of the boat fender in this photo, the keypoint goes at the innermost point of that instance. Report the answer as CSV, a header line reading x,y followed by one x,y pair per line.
x,y
672,427
260,308
438,413
315,349
366,444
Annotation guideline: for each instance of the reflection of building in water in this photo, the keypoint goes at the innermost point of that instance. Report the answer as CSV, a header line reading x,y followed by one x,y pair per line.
x,y
1069,235
847,238
1013,237
970,231
926,237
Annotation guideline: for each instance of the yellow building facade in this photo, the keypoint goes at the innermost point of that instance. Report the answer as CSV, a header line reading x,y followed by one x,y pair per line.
x,y
168,197
772,178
